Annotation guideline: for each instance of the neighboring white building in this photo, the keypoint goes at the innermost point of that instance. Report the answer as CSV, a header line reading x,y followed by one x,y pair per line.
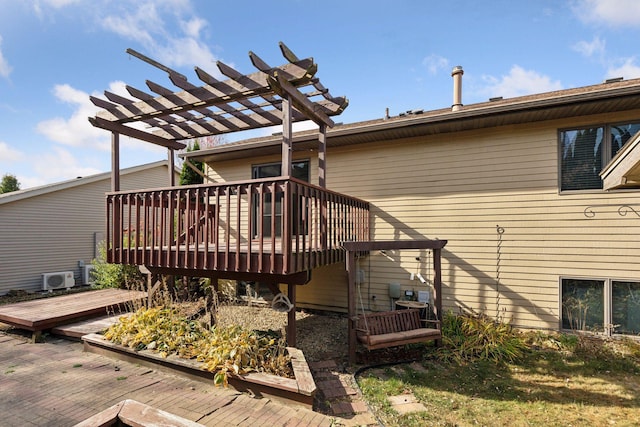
x,y
56,227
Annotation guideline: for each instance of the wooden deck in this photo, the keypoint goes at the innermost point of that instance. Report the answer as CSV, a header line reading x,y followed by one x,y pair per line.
x,y
47,313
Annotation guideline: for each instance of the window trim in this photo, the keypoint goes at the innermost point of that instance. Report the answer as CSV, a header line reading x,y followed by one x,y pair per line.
x,y
254,167
279,163
606,146
608,303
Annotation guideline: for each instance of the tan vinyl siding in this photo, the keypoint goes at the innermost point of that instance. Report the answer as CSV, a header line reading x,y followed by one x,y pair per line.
x,y
54,230
461,187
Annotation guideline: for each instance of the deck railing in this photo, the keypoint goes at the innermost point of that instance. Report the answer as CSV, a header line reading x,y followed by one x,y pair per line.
x,y
273,226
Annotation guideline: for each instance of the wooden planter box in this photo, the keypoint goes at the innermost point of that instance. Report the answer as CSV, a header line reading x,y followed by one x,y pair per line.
x,y
299,391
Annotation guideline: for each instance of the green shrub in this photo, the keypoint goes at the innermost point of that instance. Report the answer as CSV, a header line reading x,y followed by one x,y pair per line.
x,y
107,275
470,337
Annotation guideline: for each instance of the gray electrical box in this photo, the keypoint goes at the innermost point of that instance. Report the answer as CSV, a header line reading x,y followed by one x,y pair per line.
x,y
394,290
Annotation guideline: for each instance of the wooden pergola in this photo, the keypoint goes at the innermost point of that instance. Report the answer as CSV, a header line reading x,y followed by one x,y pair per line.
x,y
204,243
270,96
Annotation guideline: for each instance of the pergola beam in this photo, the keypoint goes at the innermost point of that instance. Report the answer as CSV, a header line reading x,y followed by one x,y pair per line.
x,y
285,89
135,133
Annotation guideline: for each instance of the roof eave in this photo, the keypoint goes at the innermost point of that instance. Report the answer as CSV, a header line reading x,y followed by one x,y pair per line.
x,y
476,116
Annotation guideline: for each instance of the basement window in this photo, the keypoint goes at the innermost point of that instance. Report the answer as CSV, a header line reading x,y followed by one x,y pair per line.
x,y
584,152
606,306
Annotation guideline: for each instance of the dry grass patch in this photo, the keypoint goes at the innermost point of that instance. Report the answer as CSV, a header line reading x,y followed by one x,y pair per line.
x,y
563,380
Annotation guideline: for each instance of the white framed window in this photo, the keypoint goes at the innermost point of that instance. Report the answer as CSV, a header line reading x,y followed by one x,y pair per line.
x,y
600,305
585,151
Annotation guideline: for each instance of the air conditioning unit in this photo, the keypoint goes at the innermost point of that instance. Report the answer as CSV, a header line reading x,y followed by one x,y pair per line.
x,y
87,277
59,280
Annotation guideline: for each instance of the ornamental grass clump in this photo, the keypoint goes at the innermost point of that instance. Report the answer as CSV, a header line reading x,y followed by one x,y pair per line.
x,y
221,350
469,337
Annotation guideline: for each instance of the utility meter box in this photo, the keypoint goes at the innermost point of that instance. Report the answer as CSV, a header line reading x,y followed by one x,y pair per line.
x,y
395,291
424,296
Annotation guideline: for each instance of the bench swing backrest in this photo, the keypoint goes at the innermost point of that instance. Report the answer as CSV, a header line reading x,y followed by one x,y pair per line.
x,y
394,328
389,322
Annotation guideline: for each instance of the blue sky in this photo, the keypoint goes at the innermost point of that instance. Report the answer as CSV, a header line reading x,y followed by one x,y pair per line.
x,y
379,54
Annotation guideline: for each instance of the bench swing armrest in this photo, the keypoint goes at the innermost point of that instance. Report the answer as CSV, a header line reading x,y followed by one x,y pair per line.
x,y
436,323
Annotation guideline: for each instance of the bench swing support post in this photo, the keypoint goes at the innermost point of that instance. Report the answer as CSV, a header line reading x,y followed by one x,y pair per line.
x,y
351,304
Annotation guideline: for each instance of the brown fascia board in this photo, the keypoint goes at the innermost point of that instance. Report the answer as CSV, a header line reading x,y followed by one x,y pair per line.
x,y
531,108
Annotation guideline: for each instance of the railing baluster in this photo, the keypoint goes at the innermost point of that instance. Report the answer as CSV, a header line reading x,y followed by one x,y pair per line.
x,y
274,230
136,208
216,231
160,227
260,226
109,226
170,227
227,234
285,225
207,228
145,229
238,225
129,225
250,220
187,225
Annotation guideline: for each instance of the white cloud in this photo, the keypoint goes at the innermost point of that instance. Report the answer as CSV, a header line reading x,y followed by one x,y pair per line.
x,y
628,69
76,130
8,154
147,25
5,68
56,165
135,26
58,4
39,5
519,82
188,52
616,13
193,27
589,49
435,63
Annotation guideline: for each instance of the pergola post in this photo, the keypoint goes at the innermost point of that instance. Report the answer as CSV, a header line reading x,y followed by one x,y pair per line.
x,y
291,316
437,283
115,161
172,167
351,304
115,186
287,131
322,156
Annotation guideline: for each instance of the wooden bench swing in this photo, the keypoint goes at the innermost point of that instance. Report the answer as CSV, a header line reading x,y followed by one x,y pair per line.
x,y
397,327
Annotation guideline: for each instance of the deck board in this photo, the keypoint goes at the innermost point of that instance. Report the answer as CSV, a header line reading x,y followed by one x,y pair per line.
x,y
77,330
47,313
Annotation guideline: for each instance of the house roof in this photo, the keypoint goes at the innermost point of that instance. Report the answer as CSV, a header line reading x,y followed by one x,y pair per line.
x,y
609,96
63,185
